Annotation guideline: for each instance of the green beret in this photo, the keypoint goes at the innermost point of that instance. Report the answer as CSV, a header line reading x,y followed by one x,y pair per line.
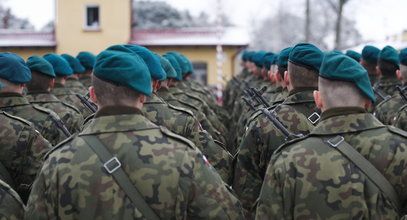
x,y
87,59
13,68
306,55
250,55
245,55
275,59
337,51
175,65
258,58
178,58
343,68
124,68
41,65
268,60
403,56
370,54
283,57
60,65
150,59
166,65
354,55
187,63
74,63
389,54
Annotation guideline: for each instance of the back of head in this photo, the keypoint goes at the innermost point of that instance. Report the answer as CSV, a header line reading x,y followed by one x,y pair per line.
x,y
282,60
120,78
343,82
13,72
304,63
42,73
388,61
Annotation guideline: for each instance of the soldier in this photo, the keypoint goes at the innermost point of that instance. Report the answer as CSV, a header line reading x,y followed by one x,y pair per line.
x,y
321,176
62,71
282,63
11,206
354,55
87,60
167,174
401,118
262,136
370,55
386,110
14,74
72,81
42,81
387,66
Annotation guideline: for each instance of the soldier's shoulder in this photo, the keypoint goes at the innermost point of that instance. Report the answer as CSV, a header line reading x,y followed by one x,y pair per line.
x,y
43,110
397,131
71,107
306,139
60,145
17,119
176,137
189,105
8,190
179,109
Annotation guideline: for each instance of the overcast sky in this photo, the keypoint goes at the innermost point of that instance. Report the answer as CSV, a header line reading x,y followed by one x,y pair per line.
x,y
375,19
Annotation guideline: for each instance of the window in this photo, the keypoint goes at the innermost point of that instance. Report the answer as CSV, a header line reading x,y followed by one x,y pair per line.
x,y
92,17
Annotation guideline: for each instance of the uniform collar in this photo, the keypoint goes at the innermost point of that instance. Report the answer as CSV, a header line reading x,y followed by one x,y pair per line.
x,y
165,94
9,99
44,96
300,95
117,110
345,120
154,99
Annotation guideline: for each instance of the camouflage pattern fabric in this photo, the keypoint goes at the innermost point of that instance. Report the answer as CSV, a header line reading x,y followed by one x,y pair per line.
x,y
69,114
86,81
388,84
308,179
386,110
17,105
400,120
183,123
76,86
66,96
22,151
11,206
168,171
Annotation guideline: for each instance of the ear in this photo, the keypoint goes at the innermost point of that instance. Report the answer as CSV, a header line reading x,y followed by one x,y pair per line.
x,y
142,98
93,95
368,103
317,99
287,78
278,76
378,71
398,74
51,84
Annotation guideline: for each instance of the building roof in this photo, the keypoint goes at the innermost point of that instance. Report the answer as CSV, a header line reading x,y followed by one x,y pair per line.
x,y
23,38
232,36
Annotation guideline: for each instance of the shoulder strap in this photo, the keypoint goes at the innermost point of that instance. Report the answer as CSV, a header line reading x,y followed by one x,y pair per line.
x,y
339,143
113,166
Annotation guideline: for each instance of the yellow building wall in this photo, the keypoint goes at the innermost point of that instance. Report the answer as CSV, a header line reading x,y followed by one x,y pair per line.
x,y
115,24
26,52
206,54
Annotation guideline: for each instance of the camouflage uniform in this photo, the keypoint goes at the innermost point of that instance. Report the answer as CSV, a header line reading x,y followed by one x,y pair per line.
x,y
69,114
262,138
168,171
388,84
308,179
11,206
400,120
22,150
86,81
43,119
76,86
65,95
182,122
386,110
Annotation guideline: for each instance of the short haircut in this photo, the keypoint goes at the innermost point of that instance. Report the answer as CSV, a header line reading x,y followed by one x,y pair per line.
x,y
387,68
301,76
369,67
340,93
281,70
8,86
109,93
39,82
403,70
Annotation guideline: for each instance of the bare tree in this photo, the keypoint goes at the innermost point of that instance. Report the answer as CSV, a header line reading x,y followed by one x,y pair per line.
x,y
338,8
307,21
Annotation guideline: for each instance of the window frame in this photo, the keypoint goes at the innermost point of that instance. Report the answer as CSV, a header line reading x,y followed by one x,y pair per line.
x,y
86,27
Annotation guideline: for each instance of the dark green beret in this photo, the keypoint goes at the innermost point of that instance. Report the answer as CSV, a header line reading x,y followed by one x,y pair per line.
x,y
166,65
306,55
87,59
354,55
343,68
389,54
150,59
370,54
250,55
275,59
245,55
60,65
175,65
258,58
187,63
178,58
283,57
337,51
40,65
13,68
124,68
268,60
74,63
403,56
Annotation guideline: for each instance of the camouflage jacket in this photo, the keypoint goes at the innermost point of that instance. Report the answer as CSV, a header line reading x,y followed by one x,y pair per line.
x,y
69,114
168,171
76,86
401,118
22,150
388,84
67,96
386,110
11,206
309,179
182,122
44,120
262,138
86,81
